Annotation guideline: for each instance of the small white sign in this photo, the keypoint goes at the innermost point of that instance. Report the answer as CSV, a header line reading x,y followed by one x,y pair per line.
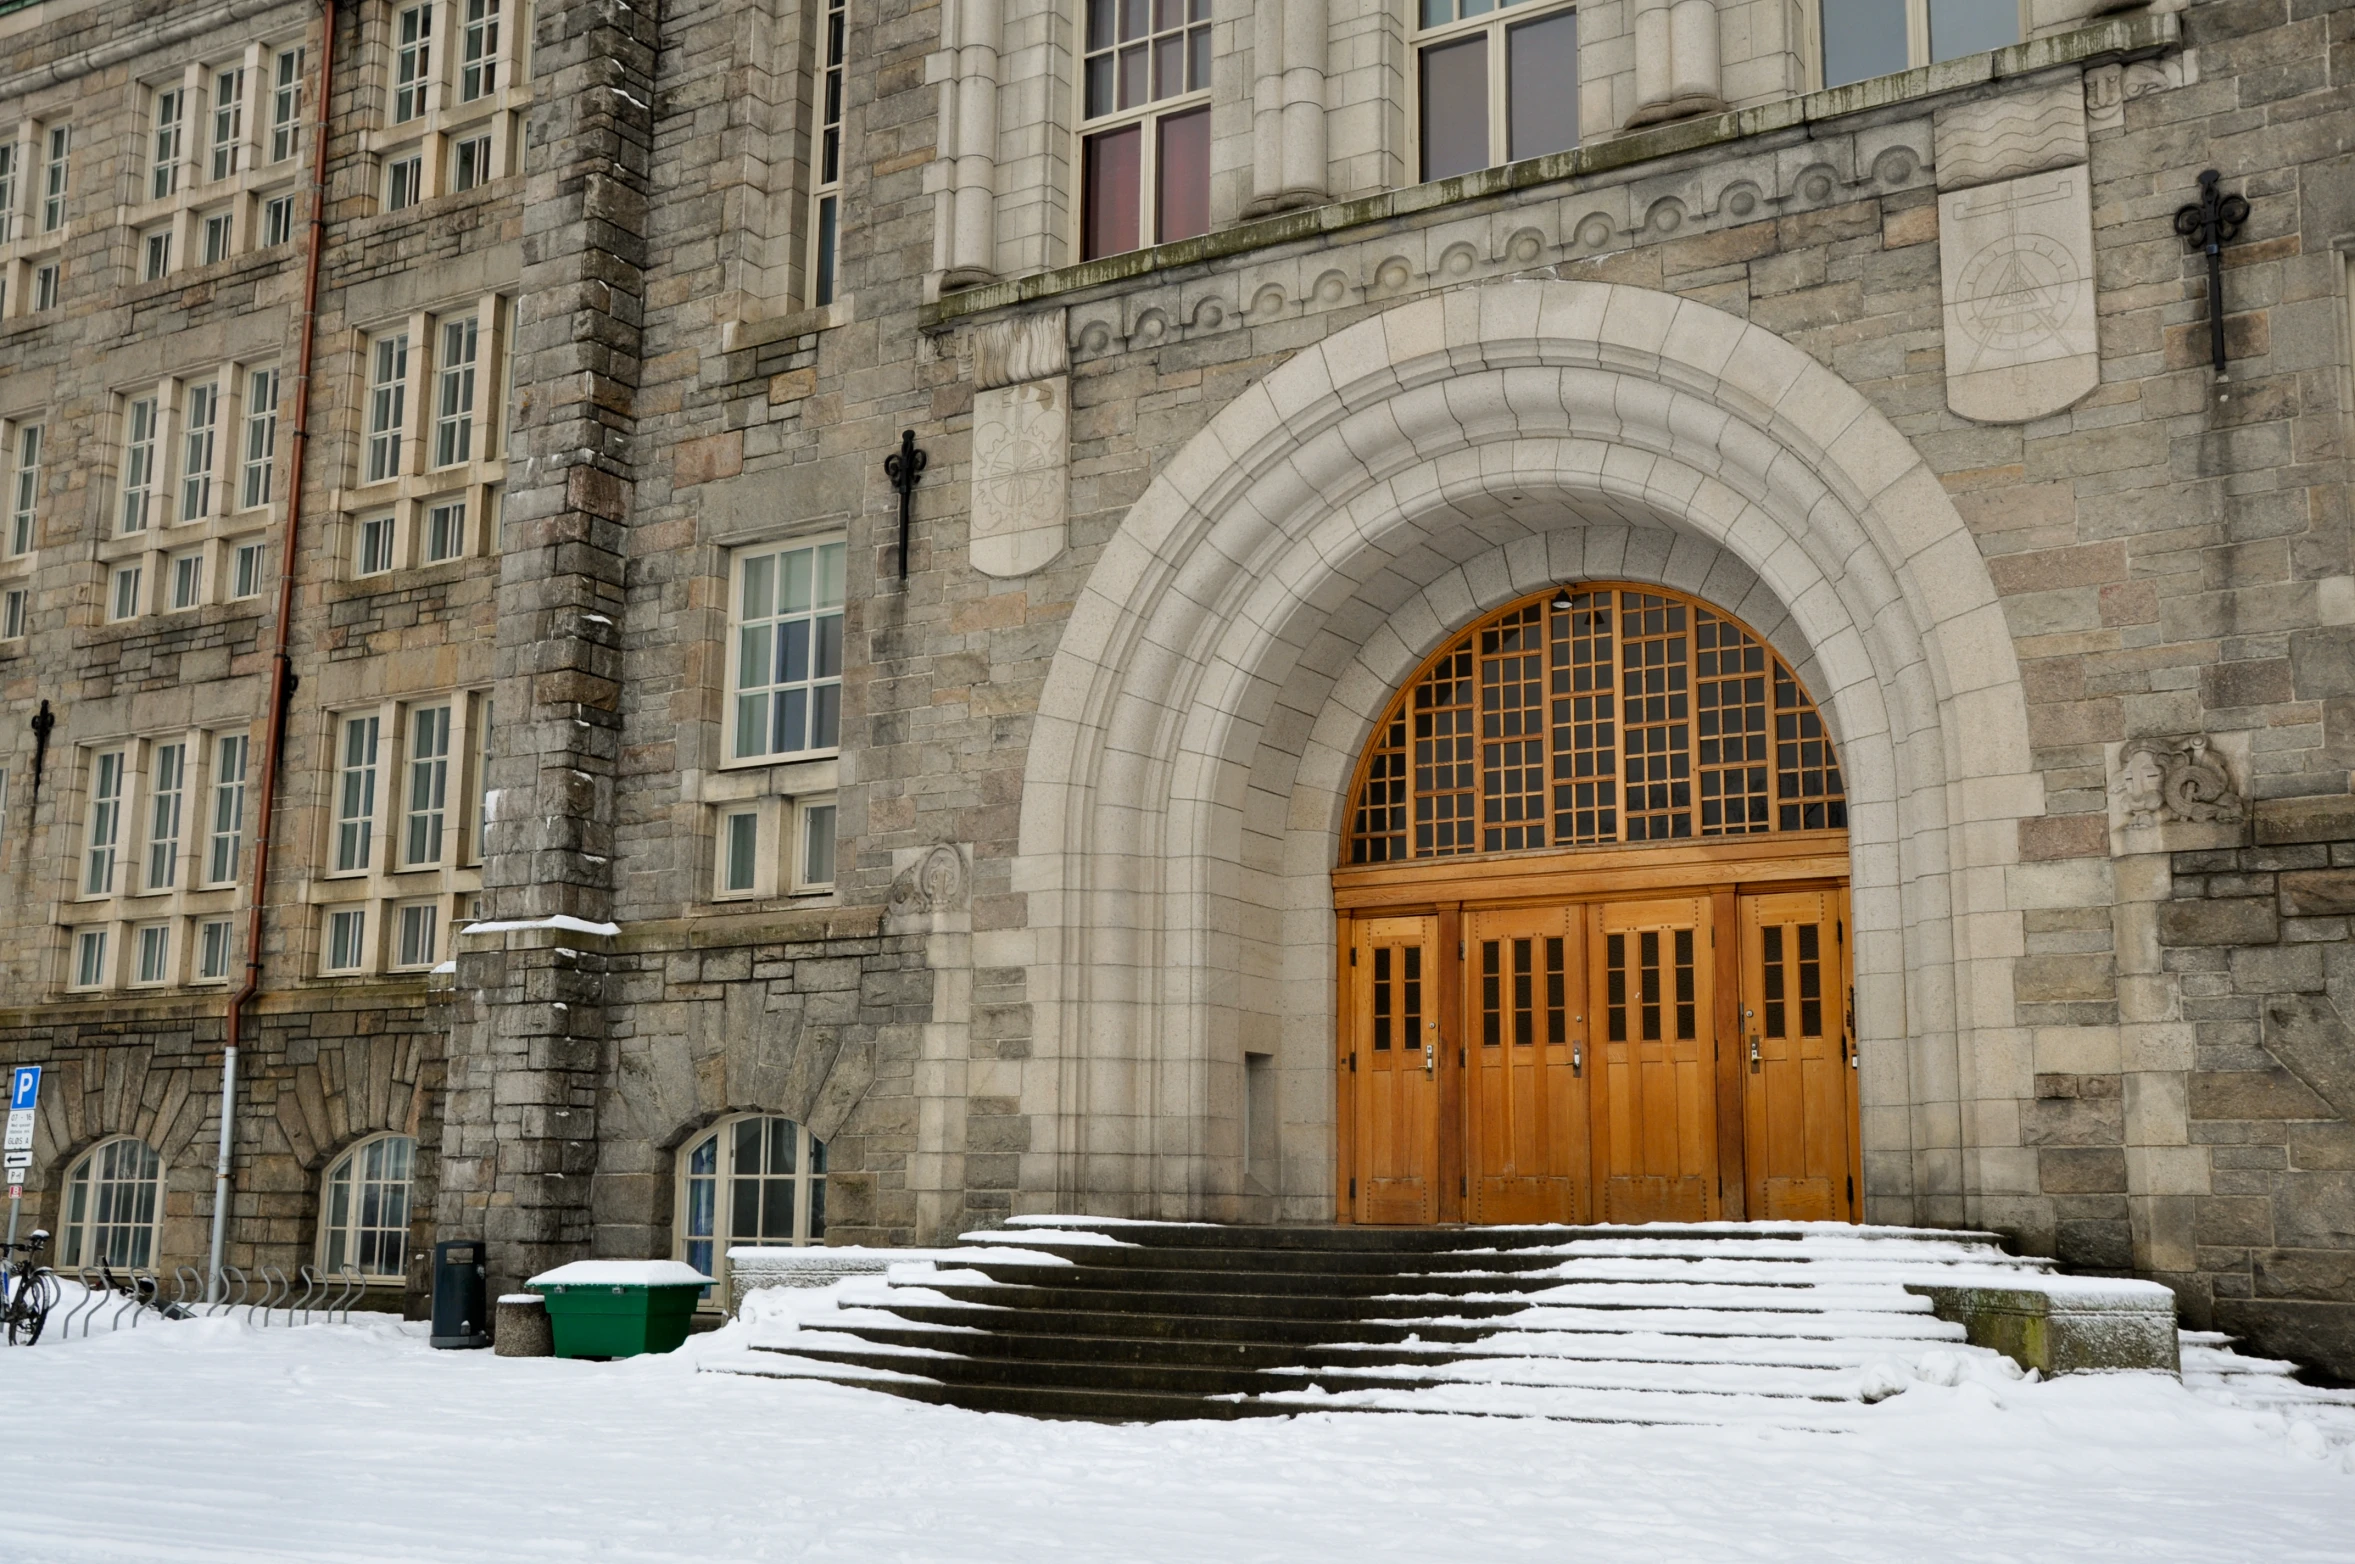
x,y
19,1159
20,1130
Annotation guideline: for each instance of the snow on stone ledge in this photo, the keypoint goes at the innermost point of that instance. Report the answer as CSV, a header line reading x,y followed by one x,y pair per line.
x,y
621,1273
560,920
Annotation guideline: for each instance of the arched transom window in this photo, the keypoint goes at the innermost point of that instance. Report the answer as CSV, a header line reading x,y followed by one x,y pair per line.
x,y
752,1180
1594,714
364,1208
114,1200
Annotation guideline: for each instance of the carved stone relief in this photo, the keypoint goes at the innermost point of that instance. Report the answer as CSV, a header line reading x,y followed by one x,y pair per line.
x,y
931,881
1021,475
2003,138
1023,347
2178,794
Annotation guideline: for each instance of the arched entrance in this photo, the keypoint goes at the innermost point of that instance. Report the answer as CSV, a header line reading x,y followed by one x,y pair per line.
x,y
1593,929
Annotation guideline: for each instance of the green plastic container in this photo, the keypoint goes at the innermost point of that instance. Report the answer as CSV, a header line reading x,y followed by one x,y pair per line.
x,y
618,1309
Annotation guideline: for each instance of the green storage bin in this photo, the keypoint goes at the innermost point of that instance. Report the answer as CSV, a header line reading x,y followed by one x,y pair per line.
x,y
619,1308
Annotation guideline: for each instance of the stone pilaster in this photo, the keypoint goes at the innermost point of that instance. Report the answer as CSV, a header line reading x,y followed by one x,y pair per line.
x,y
527,1050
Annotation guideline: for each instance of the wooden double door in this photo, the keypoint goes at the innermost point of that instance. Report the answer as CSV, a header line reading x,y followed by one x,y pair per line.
x,y
1665,1057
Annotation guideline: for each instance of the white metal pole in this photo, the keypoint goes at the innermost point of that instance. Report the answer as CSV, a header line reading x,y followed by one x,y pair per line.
x,y
213,1291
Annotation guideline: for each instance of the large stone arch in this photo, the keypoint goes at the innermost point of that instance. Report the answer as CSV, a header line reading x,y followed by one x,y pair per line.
x,y
1291,564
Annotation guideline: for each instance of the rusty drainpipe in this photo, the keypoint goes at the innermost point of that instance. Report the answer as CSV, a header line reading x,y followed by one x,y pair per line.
x,y
281,665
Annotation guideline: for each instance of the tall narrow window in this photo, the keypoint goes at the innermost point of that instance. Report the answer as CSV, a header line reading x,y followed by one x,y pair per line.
x,y
278,221
105,824
412,61
429,785
171,107
261,438
826,185
24,489
188,579
404,182
388,404
286,103
788,666
470,163
215,941
16,612
138,463
218,235
478,73
245,571
355,794
1492,91
157,247
167,780
53,180
1140,56
366,1225
453,413
123,601
90,970
817,846
7,191
202,413
114,1207
416,926
228,120
445,530
347,939
225,831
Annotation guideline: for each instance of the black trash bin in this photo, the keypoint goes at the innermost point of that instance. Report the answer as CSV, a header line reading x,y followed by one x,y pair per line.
x,y
461,1312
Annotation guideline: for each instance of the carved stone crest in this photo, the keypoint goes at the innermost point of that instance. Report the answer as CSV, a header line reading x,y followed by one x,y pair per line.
x,y
2172,794
935,882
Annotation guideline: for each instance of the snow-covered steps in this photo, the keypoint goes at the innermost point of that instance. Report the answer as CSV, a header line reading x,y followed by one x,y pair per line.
x,y
1780,1324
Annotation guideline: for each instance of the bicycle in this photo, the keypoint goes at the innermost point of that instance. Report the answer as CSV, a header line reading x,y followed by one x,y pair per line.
x,y
28,1290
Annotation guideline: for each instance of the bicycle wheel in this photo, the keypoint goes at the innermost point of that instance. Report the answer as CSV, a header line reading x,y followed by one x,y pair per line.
x,y
28,1312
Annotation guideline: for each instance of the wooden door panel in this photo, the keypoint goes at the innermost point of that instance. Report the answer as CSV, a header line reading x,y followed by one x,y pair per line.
x,y
1651,981
1394,1035
1524,1049
1799,1099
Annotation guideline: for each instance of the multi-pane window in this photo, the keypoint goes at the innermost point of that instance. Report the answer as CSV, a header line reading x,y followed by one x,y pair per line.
x,y
171,111
445,530
453,414
1595,715
228,120
364,1217
215,945
7,191
404,182
105,824
388,404
89,959
185,572
278,221
375,553
45,286
156,250
1864,38
16,605
225,820
286,104
347,939
415,927
759,1180
478,69
24,488
56,152
124,592
826,176
470,163
219,234
167,785
1493,87
739,852
200,416
429,785
138,486
245,570
114,1207
816,870
412,61
151,953
261,438
355,793
787,671
1146,173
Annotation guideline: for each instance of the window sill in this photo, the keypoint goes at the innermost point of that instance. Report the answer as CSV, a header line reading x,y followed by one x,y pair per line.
x,y
742,781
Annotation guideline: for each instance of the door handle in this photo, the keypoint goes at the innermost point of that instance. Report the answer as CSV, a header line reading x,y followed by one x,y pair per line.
x,y
1431,1051
1577,1058
1753,1053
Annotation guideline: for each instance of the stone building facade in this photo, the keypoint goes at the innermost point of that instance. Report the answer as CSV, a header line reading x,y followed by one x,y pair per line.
x,y
1028,902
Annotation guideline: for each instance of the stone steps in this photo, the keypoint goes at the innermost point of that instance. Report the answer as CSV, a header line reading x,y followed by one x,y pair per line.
x,y
1706,1323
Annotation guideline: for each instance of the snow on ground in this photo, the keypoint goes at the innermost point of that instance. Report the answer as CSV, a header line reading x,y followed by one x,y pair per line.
x,y
213,1441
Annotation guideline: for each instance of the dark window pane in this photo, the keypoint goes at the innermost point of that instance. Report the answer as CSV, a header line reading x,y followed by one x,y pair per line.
x,y
1183,195
1198,59
1541,86
1169,66
1100,99
1108,220
1133,18
1455,108
824,293
1862,38
1100,34
1959,27
1438,13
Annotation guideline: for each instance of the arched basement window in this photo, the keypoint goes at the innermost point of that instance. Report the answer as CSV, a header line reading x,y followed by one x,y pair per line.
x,y
114,1206
364,1208
1589,715
758,1179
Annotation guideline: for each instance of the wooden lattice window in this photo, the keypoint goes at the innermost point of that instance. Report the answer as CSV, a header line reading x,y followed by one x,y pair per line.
x,y
1592,715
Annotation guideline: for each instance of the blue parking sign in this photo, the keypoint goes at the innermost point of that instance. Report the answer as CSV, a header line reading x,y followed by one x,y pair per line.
x,y
24,1087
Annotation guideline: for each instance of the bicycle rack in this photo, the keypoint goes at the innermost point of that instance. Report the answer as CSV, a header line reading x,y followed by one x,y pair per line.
x,y
85,1307
355,1288
187,1289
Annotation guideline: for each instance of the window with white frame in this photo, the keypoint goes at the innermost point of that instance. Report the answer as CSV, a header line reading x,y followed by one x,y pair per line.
x,y
171,110
446,469
445,530
8,190
167,787
1866,38
416,927
826,172
219,241
454,111
261,438
103,827
278,221
772,846
286,104
364,1209
200,412
478,72
375,538
404,181
453,371
15,613
215,950
404,774
124,592
388,404
814,842
228,138
245,570
759,1179
161,840
156,250
785,680
1495,84
355,793
45,286
56,159
470,162
224,844
114,1206
24,488
412,61
427,799
138,481
184,573
1145,147
347,939
88,956
151,954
